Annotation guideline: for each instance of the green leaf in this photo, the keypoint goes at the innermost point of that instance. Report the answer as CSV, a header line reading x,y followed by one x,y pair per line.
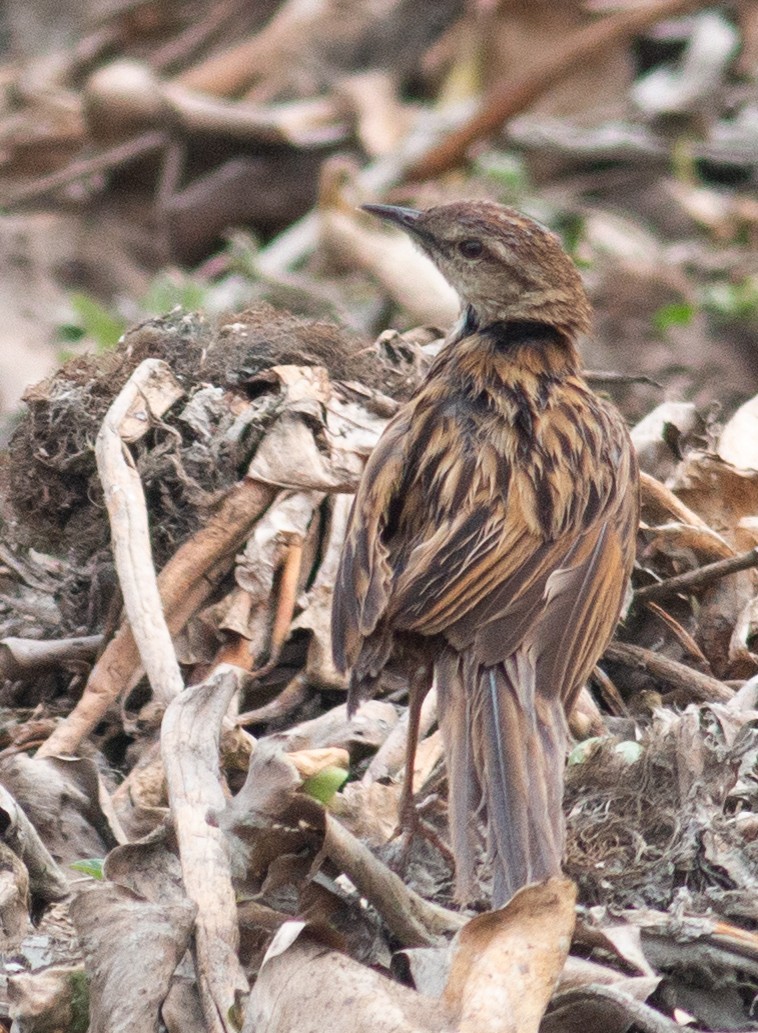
x,y
70,333
629,751
171,289
733,300
96,321
678,313
325,784
583,750
92,866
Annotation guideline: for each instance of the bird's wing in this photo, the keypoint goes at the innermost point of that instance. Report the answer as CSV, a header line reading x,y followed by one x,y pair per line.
x,y
485,578
365,573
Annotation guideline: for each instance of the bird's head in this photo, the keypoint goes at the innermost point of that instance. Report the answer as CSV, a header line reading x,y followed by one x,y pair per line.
x,y
503,265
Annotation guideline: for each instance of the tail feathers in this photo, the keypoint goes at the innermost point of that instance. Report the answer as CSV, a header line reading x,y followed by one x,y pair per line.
x,y
464,787
505,748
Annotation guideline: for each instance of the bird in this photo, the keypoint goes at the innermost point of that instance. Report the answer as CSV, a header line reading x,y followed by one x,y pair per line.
x,y
492,537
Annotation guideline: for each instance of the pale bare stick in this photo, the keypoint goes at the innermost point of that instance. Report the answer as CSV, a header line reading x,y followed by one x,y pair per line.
x,y
148,393
190,736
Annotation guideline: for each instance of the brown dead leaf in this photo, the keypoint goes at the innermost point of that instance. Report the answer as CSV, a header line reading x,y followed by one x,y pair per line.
x,y
720,493
64,800
302,982
738,444
507,962
127,983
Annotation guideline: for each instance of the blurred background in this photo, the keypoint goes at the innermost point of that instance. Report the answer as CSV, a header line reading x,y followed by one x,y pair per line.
x,y
211,153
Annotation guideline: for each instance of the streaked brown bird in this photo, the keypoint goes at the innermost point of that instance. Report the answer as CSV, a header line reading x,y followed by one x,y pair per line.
x,y
492,536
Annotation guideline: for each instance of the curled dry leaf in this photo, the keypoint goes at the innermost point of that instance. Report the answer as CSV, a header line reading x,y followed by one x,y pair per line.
x,y
319,441
289,517
14,899
622,939
149,868
657,435
738,444
64,800
127,984
301,982
366,729
506,963
45,880
316,614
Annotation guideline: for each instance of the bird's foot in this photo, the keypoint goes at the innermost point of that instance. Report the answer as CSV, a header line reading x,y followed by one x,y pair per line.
x,y
412,824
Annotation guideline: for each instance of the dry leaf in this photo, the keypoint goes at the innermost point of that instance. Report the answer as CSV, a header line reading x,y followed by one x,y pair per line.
x,y
304,986
507,962
738,443
127,984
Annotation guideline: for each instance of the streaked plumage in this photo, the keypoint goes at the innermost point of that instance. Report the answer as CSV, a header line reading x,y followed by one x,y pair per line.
x,y
492,535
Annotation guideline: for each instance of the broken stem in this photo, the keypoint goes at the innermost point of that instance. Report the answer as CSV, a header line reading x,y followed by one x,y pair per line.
x,y
698,578
701,688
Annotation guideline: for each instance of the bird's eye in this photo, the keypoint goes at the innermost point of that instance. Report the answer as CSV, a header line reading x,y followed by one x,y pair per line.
x,y
471,248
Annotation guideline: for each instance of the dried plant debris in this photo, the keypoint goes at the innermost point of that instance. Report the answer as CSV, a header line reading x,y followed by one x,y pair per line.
x,y
650,816
189,459
660,802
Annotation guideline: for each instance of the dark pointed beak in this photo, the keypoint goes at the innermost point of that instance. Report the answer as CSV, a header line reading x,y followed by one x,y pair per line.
x,y
405,218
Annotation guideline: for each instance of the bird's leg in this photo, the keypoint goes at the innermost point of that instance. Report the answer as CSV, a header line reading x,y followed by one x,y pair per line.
x,y
410,821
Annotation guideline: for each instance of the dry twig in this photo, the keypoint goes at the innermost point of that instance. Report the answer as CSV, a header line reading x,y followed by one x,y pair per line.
x,y
414,921
698,578
701,688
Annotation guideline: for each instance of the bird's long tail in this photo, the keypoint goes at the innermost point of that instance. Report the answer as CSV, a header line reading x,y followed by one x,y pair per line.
x,y
505,752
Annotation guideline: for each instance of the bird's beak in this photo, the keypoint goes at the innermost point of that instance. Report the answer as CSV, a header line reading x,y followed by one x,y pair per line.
x,y
405,218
